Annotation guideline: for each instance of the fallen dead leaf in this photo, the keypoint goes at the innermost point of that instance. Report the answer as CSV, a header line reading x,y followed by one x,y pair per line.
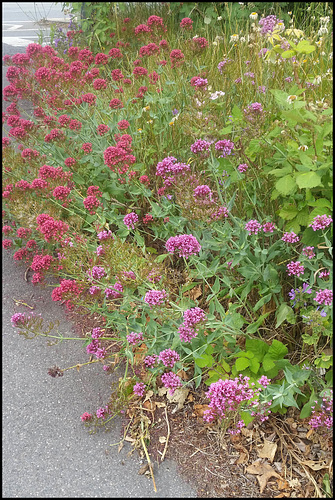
x,y
182,374
149,405
148,395
162,391
248,433
199,410
120,447
282,484
264,471
162,439
315,465
294,483
143,469
268,450
160,405
179,396
243,458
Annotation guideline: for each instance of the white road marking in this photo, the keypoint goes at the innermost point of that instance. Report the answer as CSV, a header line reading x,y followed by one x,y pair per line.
x,y
17,42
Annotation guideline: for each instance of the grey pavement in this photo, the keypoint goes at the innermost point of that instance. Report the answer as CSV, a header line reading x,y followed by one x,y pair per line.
x,y
46,450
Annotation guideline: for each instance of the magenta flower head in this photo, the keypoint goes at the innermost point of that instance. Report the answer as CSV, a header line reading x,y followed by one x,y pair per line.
x,y
86,416
155,297
320,222
324,297
18,319
290,237
139,389
130,220
134,337
185,244
169,357
294,268
171,381
253,226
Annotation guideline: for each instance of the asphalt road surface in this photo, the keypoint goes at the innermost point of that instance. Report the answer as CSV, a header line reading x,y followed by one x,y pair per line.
x,y
46,450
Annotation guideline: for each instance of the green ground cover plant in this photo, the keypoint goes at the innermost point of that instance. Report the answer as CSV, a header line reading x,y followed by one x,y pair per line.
x,y
177,177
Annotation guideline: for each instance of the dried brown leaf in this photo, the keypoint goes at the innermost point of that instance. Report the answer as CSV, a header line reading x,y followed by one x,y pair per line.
x,y
264,471
148,395
179,396
268,450
315,465
199,410
143,469
162,439
120,447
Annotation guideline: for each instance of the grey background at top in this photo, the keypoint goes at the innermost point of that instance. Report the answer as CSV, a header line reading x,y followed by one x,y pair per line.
x,y
46,450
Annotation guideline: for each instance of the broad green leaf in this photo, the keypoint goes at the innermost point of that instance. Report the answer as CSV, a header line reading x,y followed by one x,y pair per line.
x,y
288,53
257,346
288,212
262,301
286,185
277,350
254,365
268,364
308,180
285,313
241,364
207,20
206,360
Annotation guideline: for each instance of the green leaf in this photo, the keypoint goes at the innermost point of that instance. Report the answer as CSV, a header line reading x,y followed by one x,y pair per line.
x,y
304,47
288,212
286,185
268,364
254,365
277,350
308,180
257,346
207,20
242,363
161,257
285,313
206,360
254,326
288,53
262,301
246,417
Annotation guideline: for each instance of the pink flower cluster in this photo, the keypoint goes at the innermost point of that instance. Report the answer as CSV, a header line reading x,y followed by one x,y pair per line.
x,y
168,357
190,327
308,252
150,361
139,389
320,222
130,220
322,414
50,227
295,269
18,319
243,167
171,381
253,226
226,146
290,237
91,203
324,297
155,297
95,348
203,192
186,23
229,396
135,337
184,244
200,146
170,165
66,288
